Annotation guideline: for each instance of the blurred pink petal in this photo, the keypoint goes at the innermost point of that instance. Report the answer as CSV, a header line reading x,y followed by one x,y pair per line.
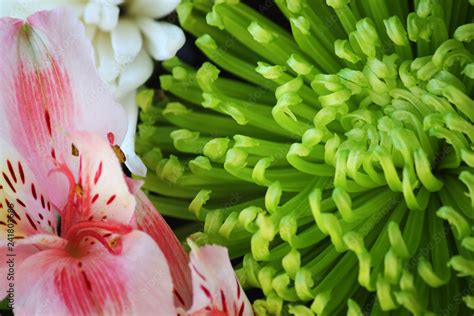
x,y
151,222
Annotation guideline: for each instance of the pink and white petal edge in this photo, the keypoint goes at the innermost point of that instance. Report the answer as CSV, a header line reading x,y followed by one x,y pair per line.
x,y
215,285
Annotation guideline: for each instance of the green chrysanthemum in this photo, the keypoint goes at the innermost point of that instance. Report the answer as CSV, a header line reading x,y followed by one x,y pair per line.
x,y
340,166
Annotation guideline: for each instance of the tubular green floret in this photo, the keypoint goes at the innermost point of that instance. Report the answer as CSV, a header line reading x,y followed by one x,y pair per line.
x,y
170,169
459,223
270,72
396,31
425,270
295,6
462,265
187,141
201,198
353,308
215,149
339,167
260,34
468,179
343,50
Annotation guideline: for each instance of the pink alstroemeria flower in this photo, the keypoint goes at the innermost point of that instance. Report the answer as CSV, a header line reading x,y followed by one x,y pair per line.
x,y
113,253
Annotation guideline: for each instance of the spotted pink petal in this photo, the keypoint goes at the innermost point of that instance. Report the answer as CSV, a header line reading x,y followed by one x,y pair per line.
x,y
135,282
23,203
216,290
101,189
49,86
151,222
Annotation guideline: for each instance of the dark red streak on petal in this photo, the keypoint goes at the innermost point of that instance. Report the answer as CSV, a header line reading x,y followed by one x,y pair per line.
x,y
180,299
86,280
31,222
238,289
22,174
40,216
8,182
48,121
12,172
198,273
241,310
224,303
206,291
21,202
33,191
53,153
95,197
16,215
98,173
42,202
111,199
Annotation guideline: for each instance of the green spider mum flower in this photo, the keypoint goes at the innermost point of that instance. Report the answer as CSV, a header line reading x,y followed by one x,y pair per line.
x,y
338,164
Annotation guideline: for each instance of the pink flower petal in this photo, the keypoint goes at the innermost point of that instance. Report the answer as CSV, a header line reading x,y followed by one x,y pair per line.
x,y
20,253
133,185
215,287
151,222
103,192
49,87
136,282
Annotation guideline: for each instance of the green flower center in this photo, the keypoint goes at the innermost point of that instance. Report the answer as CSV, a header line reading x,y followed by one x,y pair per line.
x,y
338,165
